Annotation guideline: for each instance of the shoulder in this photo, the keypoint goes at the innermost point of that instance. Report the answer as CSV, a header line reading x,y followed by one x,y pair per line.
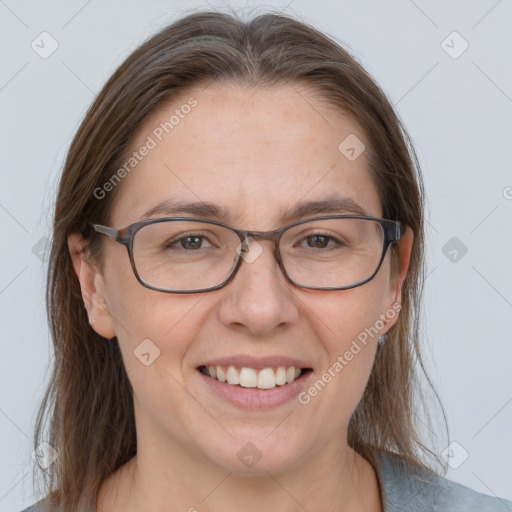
x,y
405,488
36,507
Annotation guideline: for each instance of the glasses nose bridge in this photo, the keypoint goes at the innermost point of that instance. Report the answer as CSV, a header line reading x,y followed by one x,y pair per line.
x,y
273,235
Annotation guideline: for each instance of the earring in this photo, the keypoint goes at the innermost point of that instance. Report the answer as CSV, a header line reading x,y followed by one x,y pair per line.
x,y
92,321
382,339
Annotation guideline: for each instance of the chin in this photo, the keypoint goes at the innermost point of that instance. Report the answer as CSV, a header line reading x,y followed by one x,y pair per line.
x,y
255,455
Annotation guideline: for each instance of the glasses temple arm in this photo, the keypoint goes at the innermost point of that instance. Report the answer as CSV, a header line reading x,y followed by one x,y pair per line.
x,y
399,230
111,232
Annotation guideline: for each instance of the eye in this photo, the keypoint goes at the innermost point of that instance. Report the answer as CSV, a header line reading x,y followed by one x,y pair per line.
x,y
191,242
318,241
188,242
321,241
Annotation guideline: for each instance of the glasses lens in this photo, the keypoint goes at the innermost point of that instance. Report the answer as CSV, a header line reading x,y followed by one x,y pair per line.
x,y
184,255
192,255
332,253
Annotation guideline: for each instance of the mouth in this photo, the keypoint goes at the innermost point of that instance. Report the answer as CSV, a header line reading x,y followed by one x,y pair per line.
x,y
257,378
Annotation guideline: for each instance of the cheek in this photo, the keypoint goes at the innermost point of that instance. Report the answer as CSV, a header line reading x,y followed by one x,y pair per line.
x,y
151,326
158,333
348,315
348,326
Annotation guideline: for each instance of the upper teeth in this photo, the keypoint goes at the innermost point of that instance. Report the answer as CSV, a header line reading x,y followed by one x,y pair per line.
x,y
265,378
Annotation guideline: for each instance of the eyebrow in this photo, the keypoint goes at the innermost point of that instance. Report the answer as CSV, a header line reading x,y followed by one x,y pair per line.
x,y
205,210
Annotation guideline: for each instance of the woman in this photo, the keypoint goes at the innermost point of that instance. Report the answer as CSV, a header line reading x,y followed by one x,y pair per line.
x,y
253,344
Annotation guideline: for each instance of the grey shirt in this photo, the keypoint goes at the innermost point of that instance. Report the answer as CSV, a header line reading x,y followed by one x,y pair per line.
x,y
404,491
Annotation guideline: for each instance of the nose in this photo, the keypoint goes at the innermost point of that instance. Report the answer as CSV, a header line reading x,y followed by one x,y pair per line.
x,y
259,299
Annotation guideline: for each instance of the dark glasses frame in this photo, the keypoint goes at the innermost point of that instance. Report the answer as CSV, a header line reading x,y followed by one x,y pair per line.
x,y
393,231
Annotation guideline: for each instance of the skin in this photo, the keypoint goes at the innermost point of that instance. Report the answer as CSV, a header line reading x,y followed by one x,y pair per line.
x,y
255,152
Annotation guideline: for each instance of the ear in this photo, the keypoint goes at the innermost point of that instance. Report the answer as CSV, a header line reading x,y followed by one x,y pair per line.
x,y
394,295
92,286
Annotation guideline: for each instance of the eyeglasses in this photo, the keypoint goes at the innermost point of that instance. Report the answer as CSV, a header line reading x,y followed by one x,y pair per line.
x,y
187,255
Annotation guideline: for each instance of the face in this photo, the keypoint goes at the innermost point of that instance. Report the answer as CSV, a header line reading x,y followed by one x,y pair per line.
x,y
255,153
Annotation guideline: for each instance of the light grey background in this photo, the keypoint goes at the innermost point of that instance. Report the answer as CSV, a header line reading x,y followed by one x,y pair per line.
x,y
457,110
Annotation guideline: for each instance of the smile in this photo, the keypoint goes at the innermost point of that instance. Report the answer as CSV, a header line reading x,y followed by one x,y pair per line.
x,y
265,378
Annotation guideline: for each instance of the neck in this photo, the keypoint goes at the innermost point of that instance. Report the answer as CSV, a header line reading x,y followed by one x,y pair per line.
x,y
176,479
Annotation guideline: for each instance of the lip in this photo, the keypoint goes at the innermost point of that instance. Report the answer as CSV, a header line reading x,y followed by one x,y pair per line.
x,y
254,398
257,363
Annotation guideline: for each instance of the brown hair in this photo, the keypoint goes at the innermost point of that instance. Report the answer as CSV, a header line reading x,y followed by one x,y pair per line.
x,y
89,398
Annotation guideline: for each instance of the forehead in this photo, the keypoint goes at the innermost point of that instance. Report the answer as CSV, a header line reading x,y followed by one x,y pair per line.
x,y
253,152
